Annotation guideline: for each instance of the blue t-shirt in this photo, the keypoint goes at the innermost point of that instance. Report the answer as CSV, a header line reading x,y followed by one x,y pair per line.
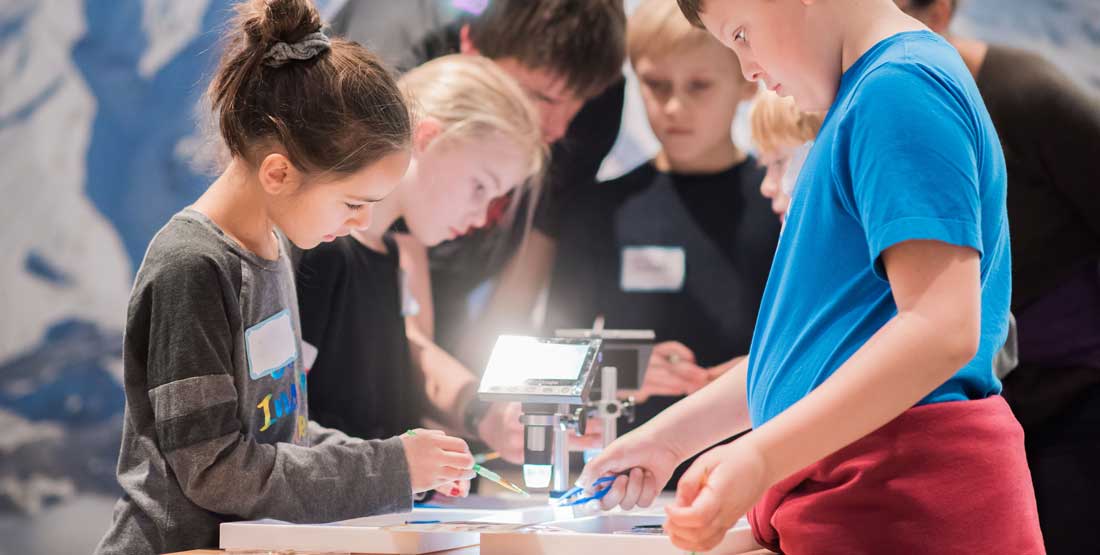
x,y
906,152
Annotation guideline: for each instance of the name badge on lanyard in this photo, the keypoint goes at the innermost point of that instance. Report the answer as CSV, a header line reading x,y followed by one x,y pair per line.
x,y
653,269
270,345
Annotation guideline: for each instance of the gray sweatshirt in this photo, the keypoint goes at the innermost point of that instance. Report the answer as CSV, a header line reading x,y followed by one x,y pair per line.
x,y
217,427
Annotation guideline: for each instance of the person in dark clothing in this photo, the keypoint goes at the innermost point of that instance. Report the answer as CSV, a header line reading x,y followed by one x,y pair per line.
x,y
567,55
476,138
1050,131
683,243
351,307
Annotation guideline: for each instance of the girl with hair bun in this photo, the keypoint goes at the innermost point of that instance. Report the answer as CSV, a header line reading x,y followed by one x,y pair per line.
x,y
217,424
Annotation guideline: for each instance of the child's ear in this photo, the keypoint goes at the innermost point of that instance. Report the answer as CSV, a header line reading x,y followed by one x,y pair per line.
x,y
278,176
427,129
465,45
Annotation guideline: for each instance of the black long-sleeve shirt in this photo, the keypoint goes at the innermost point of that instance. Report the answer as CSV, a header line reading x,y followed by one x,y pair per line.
x,y
1050,131
363,382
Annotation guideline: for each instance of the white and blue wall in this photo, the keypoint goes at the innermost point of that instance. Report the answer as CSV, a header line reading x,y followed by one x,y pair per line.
x,y
97,132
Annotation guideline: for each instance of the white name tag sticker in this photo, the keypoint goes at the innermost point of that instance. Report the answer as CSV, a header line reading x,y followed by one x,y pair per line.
x,y
653,269
270,345
309,355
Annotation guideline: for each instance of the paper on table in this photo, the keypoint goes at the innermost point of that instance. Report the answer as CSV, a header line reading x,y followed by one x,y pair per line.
x,y
467,526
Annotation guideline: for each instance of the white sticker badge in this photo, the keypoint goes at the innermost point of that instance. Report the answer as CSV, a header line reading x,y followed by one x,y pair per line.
x,y
653,269
309,355
270,345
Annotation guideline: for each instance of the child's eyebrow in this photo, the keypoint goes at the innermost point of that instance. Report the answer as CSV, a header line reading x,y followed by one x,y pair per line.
x,y
366,199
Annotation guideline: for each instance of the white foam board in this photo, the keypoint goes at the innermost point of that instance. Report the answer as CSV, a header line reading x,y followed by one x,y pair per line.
x,y
598,534
385,534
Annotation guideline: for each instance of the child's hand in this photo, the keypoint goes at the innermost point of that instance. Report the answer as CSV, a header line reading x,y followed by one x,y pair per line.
x,y
458,488
644,464
592,438
719,488
502,431
672,371
437,460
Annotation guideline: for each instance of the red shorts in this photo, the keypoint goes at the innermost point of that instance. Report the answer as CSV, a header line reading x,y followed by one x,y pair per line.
x,y
939,478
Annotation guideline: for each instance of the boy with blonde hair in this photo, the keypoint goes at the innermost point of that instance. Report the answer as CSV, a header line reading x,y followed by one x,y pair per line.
x,y
876,420
782,135
681,244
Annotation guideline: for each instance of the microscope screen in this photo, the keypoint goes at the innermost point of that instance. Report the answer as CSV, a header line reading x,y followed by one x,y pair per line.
x,y
518,359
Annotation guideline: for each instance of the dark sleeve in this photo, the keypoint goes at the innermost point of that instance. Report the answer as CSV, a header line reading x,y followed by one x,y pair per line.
x,y
435,44
190,334
576,158
320,280
320,273
574,287
1066,128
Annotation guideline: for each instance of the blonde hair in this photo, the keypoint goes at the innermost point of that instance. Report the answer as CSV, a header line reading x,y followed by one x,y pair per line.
x,y
473,99
657,27
777,121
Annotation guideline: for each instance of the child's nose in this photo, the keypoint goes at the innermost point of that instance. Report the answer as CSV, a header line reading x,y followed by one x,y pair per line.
x,y
674,105
479,218
769,186
751,70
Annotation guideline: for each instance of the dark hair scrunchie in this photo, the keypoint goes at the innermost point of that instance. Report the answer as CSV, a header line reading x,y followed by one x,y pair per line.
x,y
311,45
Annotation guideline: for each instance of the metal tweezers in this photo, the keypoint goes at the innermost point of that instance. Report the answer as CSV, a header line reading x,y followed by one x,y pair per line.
x,y
574,495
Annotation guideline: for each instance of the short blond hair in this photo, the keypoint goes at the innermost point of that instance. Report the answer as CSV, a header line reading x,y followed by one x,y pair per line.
x,y
777,121
657,27
473,99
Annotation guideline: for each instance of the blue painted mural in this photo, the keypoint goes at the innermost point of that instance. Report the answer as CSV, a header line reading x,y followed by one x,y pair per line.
x,y
97,137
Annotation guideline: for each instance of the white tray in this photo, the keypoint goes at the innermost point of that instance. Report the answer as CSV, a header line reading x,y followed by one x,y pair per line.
x,y
378,535
596,534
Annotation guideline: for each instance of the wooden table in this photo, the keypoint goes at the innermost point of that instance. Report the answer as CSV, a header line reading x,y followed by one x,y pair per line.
x,y
472,550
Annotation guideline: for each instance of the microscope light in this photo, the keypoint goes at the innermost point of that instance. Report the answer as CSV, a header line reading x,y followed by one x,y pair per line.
x,y
537,475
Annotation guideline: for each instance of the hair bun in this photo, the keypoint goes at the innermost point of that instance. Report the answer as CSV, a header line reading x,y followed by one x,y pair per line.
x,y
266,22
332,115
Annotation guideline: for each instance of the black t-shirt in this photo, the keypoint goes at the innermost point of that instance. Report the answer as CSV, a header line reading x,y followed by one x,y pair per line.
x,y
619,255
620,252
719,224
350,302
459,266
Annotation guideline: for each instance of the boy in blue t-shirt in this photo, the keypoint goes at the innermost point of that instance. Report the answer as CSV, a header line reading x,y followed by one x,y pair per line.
x,y
870,388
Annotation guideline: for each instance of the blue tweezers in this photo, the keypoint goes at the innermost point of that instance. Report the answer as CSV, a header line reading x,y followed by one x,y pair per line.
x,y
574,495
